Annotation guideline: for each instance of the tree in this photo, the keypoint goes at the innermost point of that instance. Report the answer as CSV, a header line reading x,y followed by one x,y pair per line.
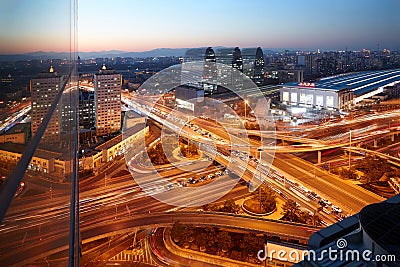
x,y
177,231
315,220
252,243
290,210
188,233
304,217
230,206
211,233
224,241
373,168
182,233
157,155
267,198
202,241
188,149
348,173
211,207
371,175
206,207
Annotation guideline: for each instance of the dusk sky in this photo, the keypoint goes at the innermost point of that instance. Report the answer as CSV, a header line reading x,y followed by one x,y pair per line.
x,y
132,25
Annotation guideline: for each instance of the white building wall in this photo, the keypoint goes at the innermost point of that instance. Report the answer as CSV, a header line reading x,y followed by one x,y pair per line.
x,y
309,97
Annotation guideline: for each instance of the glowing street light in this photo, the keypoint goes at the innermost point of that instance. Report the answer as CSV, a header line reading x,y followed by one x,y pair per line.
x,y
350,152
246,102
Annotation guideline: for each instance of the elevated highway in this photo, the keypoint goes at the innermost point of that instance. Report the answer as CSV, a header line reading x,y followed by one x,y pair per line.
x,y
54,244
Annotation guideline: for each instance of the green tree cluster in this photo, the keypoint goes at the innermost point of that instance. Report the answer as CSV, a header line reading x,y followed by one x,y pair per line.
x,y
266,197
292,212
348,173
229,206
190,150
373,168
206,239
157,155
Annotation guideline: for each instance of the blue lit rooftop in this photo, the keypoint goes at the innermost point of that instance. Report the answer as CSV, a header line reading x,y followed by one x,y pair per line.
x,y
359,82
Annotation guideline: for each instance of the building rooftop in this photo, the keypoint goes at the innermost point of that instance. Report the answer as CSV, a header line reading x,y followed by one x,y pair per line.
x,y
40,153
105,71
110,143
358,82
17,128
382,223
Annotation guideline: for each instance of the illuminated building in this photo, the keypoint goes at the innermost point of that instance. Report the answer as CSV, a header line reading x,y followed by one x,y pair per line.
x,y
109,150
249,61
42,161
19,133
205,54
87,116
107,88
310,64
253,64
206,57
340,91
44,89
231,57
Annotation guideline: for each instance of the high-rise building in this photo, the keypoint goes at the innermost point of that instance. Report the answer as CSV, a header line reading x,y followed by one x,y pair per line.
x,y
310,62
231,57
201,61
44,89
253,64
107,89
87,113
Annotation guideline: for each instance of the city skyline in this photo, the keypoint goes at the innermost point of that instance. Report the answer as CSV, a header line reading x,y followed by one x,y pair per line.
x,y
138,26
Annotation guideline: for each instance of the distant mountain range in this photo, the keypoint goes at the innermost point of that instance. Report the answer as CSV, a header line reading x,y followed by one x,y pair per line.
x,y
159,52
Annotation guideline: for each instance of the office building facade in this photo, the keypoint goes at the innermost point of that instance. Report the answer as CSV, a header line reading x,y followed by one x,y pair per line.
x,y
44,90
253,64
87,117
339,91
107,89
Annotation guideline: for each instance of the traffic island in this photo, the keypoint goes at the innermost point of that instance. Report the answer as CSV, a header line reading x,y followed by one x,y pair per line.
x,y
253,207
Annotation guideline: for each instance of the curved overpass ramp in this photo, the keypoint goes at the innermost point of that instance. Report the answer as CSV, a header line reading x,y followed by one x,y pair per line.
x,y
28,254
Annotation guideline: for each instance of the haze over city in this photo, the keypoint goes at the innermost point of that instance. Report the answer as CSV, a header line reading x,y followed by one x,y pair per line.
x,y
146,25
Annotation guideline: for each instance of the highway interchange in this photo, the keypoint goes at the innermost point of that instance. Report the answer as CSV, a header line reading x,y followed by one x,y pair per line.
x,y
37,226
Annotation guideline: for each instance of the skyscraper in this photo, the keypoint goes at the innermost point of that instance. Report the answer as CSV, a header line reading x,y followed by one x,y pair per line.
x,y
253,64
231,57
107,89
310,62
44,89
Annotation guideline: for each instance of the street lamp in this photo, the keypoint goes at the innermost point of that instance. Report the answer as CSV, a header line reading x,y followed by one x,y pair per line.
x,y
259,162
350,152
390,123
246,102
259,169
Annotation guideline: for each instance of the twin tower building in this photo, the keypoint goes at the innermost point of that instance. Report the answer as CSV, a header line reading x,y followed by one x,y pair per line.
x,y
104,113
